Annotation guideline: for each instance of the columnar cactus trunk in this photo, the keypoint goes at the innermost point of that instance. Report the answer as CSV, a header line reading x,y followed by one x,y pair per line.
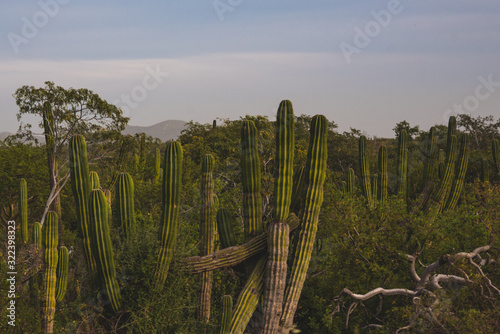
x,y
364,167
248,298
107,194
102,248
461,169
62,273
23,209
37,235
383,176
125,204
50,257
157,165
374,186
94,181
432,158
172,178
403,164
226,314
351,181
251,180
313,198
80,185
441,166
207,232
495,150
225,228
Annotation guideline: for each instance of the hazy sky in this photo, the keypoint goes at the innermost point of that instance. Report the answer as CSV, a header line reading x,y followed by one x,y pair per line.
x,y
363,64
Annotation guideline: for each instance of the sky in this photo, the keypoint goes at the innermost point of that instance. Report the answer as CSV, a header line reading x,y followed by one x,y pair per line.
x,y
363,64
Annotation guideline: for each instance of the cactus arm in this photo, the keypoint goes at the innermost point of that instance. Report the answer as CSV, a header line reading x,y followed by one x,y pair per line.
x,y
383,176
50,257
23,209
94,181
364,167
403,164
62,273
461,169
157,165
37,235
125,204
227,314
351,181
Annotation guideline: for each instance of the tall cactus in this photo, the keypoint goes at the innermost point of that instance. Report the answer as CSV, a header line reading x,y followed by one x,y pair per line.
x,y
432,158
102,248
80,185
226,314
125,204
225,228
495,151
50,257
299,184
403,164
351,181
313,198
461,169
364,167
374,186
251,180
23,209
62,273
94,181
383,175
157,165
37,235
172,178
207,232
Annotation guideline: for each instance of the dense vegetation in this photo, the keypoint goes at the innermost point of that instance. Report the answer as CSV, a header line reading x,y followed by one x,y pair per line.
x,y
428,243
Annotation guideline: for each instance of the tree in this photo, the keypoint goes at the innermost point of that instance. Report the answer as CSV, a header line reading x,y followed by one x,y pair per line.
x,y
65,112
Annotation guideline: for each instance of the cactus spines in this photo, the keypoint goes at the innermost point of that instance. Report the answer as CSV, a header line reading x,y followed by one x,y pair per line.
x,y
364,167
225,228
285,136
125,204
226,314
351,181
403,164
62,273
313,198
37,235
495,151
172,178
102,248
80,185
251,180
94,181
248,298
157,164
207,231
275,281
461,169
50,257
382,175
23,209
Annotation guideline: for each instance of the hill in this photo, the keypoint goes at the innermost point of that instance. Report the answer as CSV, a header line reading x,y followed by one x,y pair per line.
x,y
166,130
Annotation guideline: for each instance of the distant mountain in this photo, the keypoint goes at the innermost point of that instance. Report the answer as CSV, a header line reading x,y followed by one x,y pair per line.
x,y
166,130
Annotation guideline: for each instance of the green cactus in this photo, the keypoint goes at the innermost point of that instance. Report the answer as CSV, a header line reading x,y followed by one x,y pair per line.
x,y
37,235
207,232
432,158
383,175
225,228
80,185
125,204
461,169
441,165
495,150
102,248
485,170
313,198
374,186
403,164
157,165
226,314
62,273
298,190
351,181
50,257
364,167
23,209
107,193
251,180
94,181
172,178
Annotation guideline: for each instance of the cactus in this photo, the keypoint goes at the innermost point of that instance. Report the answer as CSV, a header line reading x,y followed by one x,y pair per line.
x,y
172,177
251,180
364,167
226,314
62,273
94,181
107,193
431,163
80,185
157,165
207,232
225,228
461,169
495,151
298,190
485,170
50,257
403,164
375,185
313,198
37,235
248,298
101,247
441,165
383,176
23,209
125,204
351,181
